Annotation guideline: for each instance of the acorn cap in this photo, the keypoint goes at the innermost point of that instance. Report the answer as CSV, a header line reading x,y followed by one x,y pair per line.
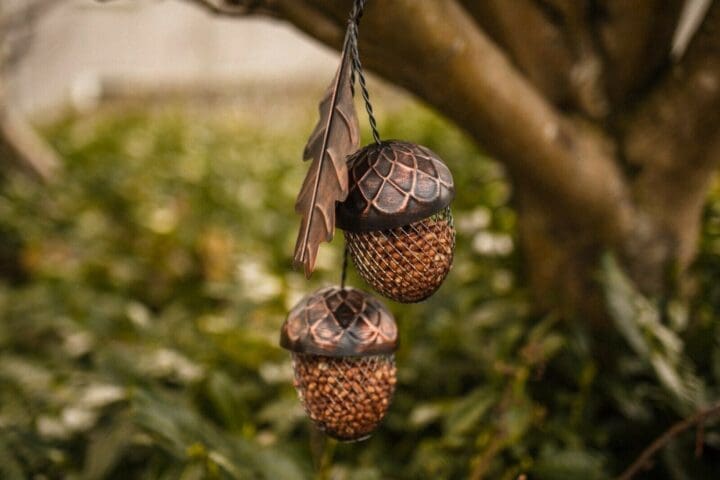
x,y
392,184
337,322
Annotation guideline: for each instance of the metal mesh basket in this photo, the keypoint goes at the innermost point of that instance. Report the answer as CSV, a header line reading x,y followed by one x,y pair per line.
x,y
346,397
408,263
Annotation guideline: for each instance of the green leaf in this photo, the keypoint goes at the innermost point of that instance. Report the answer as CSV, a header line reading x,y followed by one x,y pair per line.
x,y
10,468
188,436
465,414
639,321
106,447
569,465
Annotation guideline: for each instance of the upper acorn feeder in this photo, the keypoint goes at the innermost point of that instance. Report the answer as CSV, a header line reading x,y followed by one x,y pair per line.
x,y
397,221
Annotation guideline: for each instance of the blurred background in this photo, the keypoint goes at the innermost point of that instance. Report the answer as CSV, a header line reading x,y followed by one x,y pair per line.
x,y
145,270
84,50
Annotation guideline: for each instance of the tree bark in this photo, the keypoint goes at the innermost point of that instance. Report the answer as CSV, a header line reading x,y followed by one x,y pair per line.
x,y
23,148
673,138
20,145
608,145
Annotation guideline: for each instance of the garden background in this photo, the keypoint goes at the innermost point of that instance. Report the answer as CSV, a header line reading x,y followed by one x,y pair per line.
x,y
143,285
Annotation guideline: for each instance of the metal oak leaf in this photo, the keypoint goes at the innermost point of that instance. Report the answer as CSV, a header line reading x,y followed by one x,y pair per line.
x,y
336,135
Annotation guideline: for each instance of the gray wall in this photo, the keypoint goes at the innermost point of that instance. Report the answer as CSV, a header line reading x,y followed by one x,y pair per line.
x,y
81,43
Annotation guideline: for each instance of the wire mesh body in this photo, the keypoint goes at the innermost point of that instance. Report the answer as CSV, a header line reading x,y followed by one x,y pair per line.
x,y
346,397
408,263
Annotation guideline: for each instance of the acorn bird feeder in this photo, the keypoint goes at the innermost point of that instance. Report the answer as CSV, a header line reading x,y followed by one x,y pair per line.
x,y
392,199
397,221
343,343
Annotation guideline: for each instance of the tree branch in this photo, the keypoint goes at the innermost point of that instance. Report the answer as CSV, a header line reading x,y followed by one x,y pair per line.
x,y
550,42
588,71
692,15
16,30
19,144
533,39
235,7
314,22
659,443
682,112
674,136
635,38
435,50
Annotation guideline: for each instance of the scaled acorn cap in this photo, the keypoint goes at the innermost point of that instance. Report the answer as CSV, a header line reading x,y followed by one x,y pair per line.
x,y
393,183
339,322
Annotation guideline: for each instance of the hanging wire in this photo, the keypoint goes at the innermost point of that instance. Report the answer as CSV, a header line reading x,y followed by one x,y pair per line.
x,y
357,70
353,32
343,275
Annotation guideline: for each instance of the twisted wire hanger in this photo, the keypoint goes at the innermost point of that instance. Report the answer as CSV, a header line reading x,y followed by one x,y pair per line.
x,y
357,70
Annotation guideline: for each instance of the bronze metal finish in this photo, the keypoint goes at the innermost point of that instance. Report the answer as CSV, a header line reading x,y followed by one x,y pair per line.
x,y
339,322
336,135
409,263
392,184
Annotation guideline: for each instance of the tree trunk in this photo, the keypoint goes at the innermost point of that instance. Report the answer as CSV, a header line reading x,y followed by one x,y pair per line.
x,y
608,144
20,145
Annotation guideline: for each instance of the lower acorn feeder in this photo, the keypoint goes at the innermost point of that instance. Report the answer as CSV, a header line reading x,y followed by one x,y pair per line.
x,y
343,342
397,220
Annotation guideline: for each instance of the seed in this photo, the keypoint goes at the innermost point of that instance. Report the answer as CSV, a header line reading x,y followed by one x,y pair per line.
x,y
407,264
352,409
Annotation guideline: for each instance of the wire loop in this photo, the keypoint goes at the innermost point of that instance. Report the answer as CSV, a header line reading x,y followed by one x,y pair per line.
x,y
357,69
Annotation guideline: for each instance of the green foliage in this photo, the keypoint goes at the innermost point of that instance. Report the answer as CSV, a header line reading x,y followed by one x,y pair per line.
x,y
141,298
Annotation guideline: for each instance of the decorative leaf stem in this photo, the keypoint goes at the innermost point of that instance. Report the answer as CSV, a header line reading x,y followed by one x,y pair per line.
x,y
336,135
